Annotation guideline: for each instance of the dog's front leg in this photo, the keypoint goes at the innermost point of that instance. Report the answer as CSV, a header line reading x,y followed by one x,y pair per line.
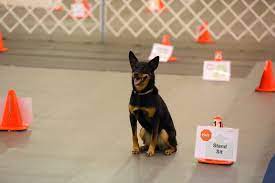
x,y
154,137
133,121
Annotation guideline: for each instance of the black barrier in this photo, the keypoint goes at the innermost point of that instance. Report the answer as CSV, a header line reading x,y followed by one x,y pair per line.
x,y
270,172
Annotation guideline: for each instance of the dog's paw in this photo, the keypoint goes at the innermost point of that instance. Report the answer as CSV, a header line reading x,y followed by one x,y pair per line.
x,y
135,150
150,152
168,152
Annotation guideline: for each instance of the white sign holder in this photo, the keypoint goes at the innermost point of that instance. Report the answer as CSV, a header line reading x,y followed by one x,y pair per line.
x,y
216,145
78,10
217,70
163,51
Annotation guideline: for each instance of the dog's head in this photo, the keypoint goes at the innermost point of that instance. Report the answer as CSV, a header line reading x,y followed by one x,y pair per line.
x,y
143,77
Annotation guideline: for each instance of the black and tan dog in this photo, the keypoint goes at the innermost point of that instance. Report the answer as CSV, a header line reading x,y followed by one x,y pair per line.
x,y
148,108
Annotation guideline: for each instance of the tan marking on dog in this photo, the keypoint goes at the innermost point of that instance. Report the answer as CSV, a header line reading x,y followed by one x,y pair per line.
x,y
135,140
152,147
164,137
142,134
149,110
135,144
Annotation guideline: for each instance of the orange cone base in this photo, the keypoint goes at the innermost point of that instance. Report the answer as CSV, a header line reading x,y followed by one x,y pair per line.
x,y
205,41
172,59
258,89
3,49
58,8
20,128
215,162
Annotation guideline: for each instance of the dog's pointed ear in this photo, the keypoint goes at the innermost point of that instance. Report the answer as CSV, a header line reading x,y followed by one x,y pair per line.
x,y
154,63
133,59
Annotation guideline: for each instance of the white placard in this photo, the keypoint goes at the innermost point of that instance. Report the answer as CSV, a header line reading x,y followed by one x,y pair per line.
x,y
217,70
163,51
154,6
216,143
78,10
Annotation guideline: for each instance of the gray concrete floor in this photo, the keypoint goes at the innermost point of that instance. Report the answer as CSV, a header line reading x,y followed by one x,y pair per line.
x,y
81,131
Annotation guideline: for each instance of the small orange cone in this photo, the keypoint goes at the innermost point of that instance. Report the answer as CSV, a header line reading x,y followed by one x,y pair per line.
x,y
267,82
218,121
12,119
87,5
204,35
166,41
160,4
2,48
57,6
218,56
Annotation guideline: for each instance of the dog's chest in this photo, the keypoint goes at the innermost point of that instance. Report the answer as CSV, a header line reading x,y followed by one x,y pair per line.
x,y
142,112
144,107
144,115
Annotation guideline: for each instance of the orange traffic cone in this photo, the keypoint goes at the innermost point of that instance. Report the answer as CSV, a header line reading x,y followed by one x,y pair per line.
x,y
218,56
218,121
12,119
204,35
87,5
2,48
267,82
160,4
166,41
57,5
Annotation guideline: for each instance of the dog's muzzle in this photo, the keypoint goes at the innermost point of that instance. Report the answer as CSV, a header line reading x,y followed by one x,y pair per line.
x,y
139,78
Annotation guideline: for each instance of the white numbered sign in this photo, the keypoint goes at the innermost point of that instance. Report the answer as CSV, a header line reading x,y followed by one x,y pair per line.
x,y
163,51
217,71
153,6
216,143
78,10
